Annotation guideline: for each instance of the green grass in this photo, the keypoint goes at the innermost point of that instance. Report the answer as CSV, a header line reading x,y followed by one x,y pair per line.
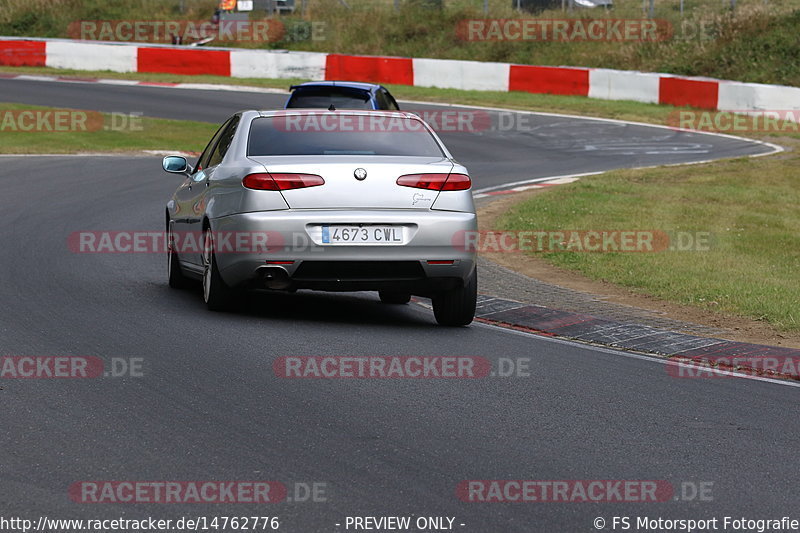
x,y
750,207
98,134
757,42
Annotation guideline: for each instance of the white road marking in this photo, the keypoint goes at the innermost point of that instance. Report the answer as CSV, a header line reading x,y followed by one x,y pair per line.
x,y
662,360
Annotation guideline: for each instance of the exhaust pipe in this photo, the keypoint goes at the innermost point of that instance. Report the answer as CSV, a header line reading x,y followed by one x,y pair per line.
x,y
275,278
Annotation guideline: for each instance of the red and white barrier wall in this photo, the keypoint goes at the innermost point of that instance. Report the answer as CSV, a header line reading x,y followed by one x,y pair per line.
x,y
605,84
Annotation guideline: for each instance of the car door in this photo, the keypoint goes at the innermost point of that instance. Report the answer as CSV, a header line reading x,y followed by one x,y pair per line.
x,y
187,198
200,189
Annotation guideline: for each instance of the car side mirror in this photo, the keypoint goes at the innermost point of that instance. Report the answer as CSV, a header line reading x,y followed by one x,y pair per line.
x,y
176,164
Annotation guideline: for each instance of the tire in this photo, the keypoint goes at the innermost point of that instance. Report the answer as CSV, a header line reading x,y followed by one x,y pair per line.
x,y
216,293
398,298
175,275
456,307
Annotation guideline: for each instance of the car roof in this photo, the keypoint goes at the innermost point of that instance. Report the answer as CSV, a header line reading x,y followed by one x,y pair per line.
x,y
320,111
349,84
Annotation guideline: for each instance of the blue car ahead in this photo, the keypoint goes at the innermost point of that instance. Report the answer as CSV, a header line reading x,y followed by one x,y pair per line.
x,y
340,95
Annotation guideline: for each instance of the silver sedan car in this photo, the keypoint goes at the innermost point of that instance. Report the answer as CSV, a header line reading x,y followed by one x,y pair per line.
x,y
325,200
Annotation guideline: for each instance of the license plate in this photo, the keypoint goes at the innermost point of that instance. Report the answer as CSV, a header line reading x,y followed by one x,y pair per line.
x,y
367,234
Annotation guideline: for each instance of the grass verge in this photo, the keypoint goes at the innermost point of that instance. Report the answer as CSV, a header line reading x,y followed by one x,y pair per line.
x,y
93,132
748,206
756,42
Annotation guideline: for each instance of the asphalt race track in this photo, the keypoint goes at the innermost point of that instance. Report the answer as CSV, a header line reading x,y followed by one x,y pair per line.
x,y
208,406
521,148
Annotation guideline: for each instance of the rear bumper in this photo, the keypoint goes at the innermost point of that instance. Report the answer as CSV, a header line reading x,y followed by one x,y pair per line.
x,y
293,236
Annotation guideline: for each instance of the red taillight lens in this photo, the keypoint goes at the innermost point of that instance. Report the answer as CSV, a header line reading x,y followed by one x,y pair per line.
x,y
436,182
433,182
457,182
281,182
260,182
297,181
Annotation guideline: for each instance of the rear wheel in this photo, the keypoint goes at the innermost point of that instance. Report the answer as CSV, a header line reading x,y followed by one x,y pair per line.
x,y
216,293
456,307
177,280
389,297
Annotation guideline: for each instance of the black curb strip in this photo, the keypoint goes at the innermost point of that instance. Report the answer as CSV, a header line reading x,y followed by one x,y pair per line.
x,y
699,352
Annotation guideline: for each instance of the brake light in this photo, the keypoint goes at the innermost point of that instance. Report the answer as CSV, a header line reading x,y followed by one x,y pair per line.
x,y
457,182
260,182
436,182
281,182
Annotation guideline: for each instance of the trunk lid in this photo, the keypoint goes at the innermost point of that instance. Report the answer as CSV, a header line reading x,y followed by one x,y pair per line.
x,y
342,190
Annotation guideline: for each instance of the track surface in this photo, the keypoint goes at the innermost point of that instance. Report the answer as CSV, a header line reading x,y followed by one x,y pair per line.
x,y
210,408
522,147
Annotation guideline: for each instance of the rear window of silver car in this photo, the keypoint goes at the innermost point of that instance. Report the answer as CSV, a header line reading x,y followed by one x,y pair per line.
x,y
341,134
325,96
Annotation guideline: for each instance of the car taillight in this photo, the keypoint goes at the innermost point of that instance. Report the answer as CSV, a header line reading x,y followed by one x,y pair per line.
x,y
281,182
436,182
457,182
260,182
